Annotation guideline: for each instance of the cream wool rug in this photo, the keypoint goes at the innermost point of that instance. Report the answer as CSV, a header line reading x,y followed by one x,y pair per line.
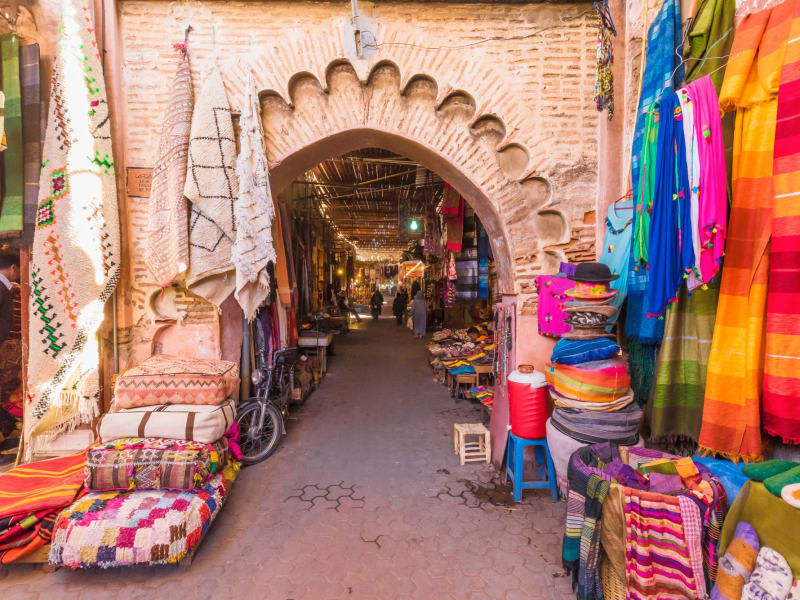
x,y
166,250
75,260
254,210
212,188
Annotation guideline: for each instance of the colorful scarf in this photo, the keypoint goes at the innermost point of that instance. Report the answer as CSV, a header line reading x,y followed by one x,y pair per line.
x,y
211,187
782,362
663,555
709,41
643,203
550,309
11,213
254,210
677,401
713,180
694,279
617,247
731,423
671,254
75,262
166,251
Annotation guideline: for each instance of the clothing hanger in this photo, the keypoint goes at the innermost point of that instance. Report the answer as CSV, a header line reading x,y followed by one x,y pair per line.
x,y
605,15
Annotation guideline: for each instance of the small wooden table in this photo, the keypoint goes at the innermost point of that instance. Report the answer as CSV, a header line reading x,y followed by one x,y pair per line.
x,y
319,342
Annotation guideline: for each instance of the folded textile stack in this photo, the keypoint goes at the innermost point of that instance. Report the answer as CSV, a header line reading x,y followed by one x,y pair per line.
x,y
587,377
163,465
31,497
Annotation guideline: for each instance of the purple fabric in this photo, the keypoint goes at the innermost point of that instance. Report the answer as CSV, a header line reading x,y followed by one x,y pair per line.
x,y
664,484
567,269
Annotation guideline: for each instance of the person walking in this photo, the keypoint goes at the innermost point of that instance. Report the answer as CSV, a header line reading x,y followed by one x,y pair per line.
x,y
399,305
419,315
376,304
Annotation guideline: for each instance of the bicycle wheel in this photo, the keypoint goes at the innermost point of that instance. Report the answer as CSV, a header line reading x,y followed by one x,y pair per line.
x,y
257,445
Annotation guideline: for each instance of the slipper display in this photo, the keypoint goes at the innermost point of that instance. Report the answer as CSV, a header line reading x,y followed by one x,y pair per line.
x,y
791,495
737,564
771,578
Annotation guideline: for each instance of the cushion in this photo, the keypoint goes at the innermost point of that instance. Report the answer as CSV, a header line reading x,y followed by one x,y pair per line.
x,y
153,463
166,379
142,527
573,352
203,423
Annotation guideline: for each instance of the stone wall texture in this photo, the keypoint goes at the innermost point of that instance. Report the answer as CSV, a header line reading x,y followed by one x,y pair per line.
x,y
497,98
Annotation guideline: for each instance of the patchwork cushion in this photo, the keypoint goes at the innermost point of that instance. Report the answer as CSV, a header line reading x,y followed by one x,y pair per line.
x,y
166,379
142,527
153,463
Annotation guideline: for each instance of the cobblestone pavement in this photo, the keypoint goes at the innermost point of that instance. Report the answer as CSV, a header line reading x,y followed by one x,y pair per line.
x,y
364,500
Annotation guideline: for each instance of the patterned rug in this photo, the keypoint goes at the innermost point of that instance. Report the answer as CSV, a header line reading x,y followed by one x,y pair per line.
x,y
75,261
143,527
166,250
212,188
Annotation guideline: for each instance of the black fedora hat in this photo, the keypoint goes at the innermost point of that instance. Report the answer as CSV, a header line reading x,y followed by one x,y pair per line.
x,y
593,272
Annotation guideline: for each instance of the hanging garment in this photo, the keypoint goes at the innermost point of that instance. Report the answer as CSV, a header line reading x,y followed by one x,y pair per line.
x,y
708,43
212,188
11,213
31,135
694,278
713,182
731,422
75,260
671,254
782,360
643,201
484,251
433,234
454,226
677,402
552,298
617,248
604,66
166,236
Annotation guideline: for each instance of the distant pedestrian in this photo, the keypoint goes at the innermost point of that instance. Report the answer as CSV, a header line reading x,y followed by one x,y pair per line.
x,y
419,314
399,305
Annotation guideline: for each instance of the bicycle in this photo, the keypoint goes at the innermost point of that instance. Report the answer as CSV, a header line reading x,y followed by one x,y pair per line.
x,y
262,418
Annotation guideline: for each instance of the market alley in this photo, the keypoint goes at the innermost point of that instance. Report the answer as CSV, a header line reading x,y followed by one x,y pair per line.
x,y
364,499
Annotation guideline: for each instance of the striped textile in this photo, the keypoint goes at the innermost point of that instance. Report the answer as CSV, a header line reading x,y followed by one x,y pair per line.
x,y
596,381
663,556
677,402
48,484
781,413
731,422
31,134
11,213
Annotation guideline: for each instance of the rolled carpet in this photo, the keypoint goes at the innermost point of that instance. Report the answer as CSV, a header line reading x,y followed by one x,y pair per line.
x,y
776,483
768,468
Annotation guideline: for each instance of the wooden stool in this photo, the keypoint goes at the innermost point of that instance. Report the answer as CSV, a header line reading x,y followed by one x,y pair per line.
x,y
477,450
468,379
483,370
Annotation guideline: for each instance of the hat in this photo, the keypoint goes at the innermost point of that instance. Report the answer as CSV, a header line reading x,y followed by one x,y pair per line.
x,y
593,272
584,303
600,309
588,333
587,321
590,291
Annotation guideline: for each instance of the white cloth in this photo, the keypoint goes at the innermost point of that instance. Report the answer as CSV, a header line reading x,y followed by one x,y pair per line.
x,y
253,209
693,168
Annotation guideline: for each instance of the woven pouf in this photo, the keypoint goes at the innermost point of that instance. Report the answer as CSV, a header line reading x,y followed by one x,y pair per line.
x,y
613,584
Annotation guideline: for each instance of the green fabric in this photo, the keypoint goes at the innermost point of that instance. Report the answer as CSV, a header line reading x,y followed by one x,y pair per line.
x,y
776,522
776,483
641,233
11,212
641,367
768,468
709,41
677,406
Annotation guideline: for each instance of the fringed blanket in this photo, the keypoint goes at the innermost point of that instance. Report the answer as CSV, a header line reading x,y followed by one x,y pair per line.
x,y
143,527
75,261
44,485
781,373
253,209
663,557
731,423
212,188
166,250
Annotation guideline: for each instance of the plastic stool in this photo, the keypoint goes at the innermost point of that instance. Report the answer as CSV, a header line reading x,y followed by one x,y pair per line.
x,y
515,466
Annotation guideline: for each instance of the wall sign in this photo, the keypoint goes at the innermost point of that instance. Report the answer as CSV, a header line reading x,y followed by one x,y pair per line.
x,y
139,179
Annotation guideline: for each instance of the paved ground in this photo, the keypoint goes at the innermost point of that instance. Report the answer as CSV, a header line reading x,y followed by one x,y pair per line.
x,y
364,500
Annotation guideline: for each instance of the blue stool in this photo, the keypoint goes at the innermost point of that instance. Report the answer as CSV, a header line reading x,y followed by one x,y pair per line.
x,y
515,463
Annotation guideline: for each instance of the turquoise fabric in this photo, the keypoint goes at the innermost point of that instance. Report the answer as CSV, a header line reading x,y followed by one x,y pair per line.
x,y
617,247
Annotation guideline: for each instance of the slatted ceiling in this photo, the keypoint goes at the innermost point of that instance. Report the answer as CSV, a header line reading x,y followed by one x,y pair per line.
x,y
362,193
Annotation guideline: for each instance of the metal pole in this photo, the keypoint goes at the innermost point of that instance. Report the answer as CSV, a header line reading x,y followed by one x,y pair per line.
x,y
357,28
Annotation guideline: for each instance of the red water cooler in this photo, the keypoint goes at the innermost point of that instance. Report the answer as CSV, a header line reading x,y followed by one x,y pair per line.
x,y
527,404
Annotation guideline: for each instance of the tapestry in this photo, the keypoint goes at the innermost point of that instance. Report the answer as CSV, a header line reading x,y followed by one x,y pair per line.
x,y
44,485
142,527
677,400
31,135
731,420
166,252
212,188
11,213
75,261
254,210
153,464
781,416
663,555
